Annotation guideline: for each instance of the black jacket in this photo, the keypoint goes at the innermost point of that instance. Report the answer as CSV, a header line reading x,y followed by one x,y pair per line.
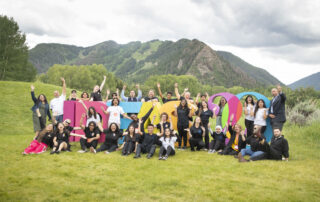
x,y
278,147
241,144
278,106
254,142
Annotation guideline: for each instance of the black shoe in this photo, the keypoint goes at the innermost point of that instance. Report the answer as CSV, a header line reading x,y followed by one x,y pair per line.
x,y
58,152
136,157
52,152
149,156
192,149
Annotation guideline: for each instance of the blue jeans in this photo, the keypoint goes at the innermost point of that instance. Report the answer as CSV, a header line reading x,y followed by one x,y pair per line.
x,y
59,118
249,152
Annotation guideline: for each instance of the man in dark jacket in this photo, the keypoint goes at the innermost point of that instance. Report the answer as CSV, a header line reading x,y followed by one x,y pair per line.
x,y
278,149
277,108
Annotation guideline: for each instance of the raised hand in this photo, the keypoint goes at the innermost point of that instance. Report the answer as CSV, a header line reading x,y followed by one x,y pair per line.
x,y
32,87
176,85
198,95
104,77
62,79
231,117
186,89
279,88
108,91
138,86
158,85
124,87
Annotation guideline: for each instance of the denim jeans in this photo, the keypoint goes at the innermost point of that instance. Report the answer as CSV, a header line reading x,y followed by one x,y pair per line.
x,y
249,152
59,118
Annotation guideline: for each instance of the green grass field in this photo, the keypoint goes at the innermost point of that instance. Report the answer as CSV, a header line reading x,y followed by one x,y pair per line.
x,y
185,177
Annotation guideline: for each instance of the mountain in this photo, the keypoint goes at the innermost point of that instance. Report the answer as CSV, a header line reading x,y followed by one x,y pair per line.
x,y
309,81
136,61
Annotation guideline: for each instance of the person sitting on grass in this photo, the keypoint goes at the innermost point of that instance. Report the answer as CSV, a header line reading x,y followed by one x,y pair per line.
x,y
237,140
278,149
113,133
92,135
218,142
130,141
148,141
61,139
256,145
168,140
41,142
196,132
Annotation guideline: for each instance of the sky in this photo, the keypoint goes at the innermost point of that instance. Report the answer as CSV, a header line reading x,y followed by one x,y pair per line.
x,y
282,37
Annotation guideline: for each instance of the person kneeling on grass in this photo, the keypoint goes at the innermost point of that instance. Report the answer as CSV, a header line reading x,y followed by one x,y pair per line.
x,y
237,140
168,141
111,141
61,139
256,145
218,142
130,141
148,143
196,132
41,142
92,135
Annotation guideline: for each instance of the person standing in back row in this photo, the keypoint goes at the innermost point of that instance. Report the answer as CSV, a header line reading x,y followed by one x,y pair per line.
x,y
169,95
96,94
277,108
56,104
132,96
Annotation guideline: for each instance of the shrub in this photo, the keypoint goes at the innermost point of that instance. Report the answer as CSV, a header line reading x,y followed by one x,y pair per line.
x,y
304,113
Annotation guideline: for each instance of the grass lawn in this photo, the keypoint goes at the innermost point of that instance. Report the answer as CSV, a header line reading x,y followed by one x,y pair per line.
x,y
187,176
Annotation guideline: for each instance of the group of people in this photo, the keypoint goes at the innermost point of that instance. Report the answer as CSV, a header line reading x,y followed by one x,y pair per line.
x,y
194,113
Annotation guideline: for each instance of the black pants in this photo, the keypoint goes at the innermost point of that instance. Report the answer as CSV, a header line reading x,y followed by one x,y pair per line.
x,y
145,149
206,137
196,142
229,151
216,145
84,144
183,135
107,147
278,124
128,147
249,125
168,152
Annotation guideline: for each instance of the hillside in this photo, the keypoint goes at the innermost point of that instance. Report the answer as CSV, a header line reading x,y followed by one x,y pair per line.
x,y
187,176
309,81
136,61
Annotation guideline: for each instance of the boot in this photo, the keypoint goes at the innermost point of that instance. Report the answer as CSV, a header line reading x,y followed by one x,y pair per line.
x,y
241,158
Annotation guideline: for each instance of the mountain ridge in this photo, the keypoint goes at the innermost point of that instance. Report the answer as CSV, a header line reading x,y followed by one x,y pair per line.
x,y
136,61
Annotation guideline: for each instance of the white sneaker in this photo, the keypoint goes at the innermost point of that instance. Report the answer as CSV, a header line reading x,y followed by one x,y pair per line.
x,y
92,150
82,151
210,151
107,152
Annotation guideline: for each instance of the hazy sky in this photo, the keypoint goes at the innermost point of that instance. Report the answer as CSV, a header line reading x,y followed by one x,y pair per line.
x,y
281,36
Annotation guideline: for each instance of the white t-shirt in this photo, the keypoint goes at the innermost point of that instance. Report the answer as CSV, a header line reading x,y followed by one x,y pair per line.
x,y
258,119
114,114
166,142
249,117
56,105
93,119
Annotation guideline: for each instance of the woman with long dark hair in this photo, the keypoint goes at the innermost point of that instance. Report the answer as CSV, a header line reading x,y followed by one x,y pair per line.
x,y
92,114
205,114
183,112
196,132
112,135
249,106
222,103
41,142
130,141
167,148
261,115
40,110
